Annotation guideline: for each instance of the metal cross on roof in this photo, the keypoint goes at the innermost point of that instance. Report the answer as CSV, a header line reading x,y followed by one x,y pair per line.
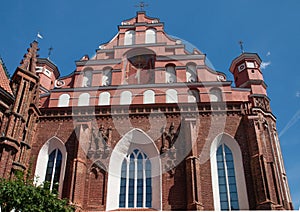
x,y
241,45
142,5
49,53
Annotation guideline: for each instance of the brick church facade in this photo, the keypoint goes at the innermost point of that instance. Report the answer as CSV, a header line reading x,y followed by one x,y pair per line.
x,y
144,124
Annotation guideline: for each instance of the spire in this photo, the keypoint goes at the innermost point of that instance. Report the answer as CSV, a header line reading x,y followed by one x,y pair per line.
x,y
4,80
29,61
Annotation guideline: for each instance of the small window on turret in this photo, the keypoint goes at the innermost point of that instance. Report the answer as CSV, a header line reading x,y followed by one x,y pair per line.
x,y
252,71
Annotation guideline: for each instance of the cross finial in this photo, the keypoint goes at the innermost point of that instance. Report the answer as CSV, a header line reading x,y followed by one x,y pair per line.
x,y
241,45
142,5
49,52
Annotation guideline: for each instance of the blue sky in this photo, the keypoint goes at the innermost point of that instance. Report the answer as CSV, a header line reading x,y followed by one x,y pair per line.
x,y
270,28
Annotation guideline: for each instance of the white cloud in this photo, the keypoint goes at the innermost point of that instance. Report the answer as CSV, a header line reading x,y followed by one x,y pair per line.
x,y
298,94
264,65
268,54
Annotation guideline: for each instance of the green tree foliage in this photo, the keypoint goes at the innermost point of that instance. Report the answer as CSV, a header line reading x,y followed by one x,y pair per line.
x,y
22,195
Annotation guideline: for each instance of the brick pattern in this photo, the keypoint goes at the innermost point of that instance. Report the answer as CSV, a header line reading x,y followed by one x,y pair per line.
x,y
245,115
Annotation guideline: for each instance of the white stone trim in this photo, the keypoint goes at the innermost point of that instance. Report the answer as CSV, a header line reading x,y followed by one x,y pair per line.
x,y
42,161
238,167
134,139
84,99
64,100
171,96
149,97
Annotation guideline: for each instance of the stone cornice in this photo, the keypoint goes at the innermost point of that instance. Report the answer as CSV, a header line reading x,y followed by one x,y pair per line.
x,y
160,85
186,109
98,62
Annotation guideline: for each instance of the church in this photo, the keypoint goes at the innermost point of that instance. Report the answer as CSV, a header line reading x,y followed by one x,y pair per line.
x,y
145,124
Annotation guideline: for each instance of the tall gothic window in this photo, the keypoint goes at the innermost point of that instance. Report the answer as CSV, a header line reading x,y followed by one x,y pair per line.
x,y
136,182
51,164
226,177
53,169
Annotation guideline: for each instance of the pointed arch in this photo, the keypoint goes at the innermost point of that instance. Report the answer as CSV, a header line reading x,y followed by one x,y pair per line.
x,y
49,153
138,142
96,184
228,177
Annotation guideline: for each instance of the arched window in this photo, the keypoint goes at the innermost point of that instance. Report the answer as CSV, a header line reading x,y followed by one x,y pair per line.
x,y
104,98
129,37
64,100
193,96
150,36
149,97
170,74
171,96
136,185
51,163
53,169
228,179
87,78
106,76
126,98
215,95
191,73
135,173
84,99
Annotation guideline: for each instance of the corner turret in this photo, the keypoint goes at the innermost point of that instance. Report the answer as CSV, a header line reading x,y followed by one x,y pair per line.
x,y
48,73
247,73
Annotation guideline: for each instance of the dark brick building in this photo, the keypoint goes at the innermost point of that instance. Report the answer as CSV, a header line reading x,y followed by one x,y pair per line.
x,y
144,124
